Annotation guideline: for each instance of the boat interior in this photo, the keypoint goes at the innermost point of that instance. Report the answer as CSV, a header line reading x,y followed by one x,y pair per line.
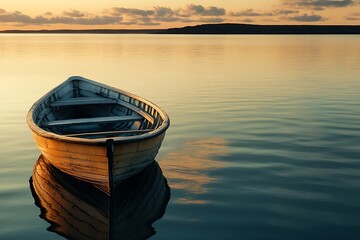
x,y
83,109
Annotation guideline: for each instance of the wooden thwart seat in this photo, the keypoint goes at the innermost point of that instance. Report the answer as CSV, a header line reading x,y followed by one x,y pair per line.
x,y
83,101
110,133
100,100
95,120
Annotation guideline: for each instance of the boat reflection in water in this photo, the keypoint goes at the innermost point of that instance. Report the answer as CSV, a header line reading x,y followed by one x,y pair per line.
x,y
77,210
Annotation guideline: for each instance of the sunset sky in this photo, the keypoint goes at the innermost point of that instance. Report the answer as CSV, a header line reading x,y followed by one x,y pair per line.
x,y
130,14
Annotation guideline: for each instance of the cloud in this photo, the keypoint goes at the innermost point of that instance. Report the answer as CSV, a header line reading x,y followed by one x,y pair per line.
x,y
350,18
16,16
285,12
48,14
252,13
249,13
247,20
166,12
353,17
318,4
211,20
145,17
203,11
191,13
70,17
306,18
116,11
93,20
163,12
147,21
74,13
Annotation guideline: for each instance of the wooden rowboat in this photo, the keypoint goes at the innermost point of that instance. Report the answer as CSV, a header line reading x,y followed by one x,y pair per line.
x,y
77,210
97,133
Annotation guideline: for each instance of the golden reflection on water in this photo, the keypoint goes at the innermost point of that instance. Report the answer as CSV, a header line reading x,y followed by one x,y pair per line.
x,y
188,169
77,210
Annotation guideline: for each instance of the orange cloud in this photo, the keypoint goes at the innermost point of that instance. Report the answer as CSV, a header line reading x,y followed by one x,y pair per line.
x,y
319,4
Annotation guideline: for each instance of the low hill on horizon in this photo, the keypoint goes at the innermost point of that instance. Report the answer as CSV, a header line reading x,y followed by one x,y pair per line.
x,y
233,28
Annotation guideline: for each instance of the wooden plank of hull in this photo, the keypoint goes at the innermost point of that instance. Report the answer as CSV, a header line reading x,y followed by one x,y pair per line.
x,y
138,146
127,166
88,160
87,163
131,158
64,146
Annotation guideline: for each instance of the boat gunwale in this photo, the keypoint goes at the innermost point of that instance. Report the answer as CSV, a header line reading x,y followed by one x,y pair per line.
x,y
97,141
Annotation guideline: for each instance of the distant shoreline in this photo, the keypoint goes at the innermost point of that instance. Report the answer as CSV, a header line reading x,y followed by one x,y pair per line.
x,y
225,28
87,31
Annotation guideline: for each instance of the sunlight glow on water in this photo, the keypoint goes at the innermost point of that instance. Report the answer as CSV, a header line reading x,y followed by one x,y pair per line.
x,y
264,141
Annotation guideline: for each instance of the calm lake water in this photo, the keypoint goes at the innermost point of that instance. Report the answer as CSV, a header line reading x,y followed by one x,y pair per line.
x,y
264,141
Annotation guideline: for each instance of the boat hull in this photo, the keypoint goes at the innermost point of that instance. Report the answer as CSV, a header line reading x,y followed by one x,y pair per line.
x,y
90,163
97,133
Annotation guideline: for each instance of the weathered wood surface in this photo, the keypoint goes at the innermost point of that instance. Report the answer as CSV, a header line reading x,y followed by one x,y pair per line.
x,y
82,101
90,163
94,120
85,162
137,110
109,133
